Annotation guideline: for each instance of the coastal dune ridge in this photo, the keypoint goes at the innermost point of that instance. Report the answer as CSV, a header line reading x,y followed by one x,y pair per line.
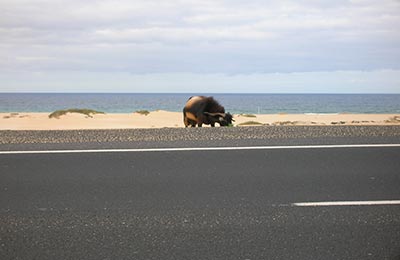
x,y
162,119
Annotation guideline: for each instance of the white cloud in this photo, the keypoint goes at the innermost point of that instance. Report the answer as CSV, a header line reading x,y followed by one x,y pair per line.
x,y
380,81
199,36
180,35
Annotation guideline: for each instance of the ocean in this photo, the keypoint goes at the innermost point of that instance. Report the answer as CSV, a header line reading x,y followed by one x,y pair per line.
x,y
234,103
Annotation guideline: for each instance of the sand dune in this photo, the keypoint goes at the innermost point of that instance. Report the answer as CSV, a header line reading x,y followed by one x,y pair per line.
x,y
160,119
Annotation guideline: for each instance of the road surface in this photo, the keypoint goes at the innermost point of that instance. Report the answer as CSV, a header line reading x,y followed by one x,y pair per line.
x,y
202,204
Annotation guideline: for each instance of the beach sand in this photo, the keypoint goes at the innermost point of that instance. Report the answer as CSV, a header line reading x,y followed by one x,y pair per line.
x,y
161,119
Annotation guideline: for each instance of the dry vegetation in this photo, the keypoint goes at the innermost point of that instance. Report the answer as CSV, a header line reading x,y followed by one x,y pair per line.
x,y
87,112
142,112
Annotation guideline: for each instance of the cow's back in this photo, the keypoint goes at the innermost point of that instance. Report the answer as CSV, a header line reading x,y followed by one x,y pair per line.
x,y
194,106
197,105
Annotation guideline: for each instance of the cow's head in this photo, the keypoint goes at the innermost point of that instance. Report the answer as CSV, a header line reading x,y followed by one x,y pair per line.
x,y
224,119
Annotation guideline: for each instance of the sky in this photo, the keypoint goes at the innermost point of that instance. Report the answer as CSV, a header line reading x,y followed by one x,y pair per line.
x,y
200,46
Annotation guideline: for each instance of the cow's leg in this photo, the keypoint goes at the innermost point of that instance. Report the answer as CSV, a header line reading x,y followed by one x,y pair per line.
x,y
186,121
192,123
200,119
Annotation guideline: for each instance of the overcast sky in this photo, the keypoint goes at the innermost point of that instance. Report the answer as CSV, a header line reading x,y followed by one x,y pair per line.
x,y
200,46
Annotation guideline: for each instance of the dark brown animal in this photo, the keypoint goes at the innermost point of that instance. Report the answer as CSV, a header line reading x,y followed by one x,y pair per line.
x,y
205,110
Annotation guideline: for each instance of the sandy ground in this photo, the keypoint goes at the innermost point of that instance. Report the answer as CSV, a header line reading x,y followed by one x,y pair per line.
x,y
160,119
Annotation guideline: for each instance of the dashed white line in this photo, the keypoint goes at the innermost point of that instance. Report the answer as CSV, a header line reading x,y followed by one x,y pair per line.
x,y
346,203
202,149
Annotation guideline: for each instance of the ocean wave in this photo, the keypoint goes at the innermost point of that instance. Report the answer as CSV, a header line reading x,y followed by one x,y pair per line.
x,y
321,114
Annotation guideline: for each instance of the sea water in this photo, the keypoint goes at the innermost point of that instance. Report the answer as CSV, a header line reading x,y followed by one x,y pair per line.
x,y
234,103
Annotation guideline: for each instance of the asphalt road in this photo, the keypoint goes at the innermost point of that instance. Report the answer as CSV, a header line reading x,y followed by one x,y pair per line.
x,y
228,204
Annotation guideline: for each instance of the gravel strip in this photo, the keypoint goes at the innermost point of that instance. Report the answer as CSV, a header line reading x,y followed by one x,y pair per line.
x,y
195,134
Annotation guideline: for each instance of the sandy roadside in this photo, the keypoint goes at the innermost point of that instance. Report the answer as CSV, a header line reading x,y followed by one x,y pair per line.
x,y
160,119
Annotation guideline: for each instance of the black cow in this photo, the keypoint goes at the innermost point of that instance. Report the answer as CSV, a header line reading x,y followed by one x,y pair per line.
x,y
205,110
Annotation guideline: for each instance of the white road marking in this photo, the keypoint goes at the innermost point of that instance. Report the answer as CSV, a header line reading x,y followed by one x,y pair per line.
x,y
203,149
346,203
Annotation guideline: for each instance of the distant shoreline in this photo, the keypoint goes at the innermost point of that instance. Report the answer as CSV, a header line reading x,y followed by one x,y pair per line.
x,y
161,119
233,103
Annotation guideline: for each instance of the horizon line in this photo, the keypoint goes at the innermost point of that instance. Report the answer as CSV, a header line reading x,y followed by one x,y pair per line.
x,y
224,93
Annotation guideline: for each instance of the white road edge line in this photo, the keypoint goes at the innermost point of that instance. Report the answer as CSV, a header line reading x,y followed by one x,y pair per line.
x,y
346,203
203,149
